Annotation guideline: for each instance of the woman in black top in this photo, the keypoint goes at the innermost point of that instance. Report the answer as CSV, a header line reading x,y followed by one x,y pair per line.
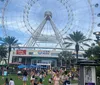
x,y
25,77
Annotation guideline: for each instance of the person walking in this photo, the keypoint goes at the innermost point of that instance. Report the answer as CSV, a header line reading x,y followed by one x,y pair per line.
x,y
67,81
6,82
50,81
32,77
56,79
19,74
25,74
11,82
40,82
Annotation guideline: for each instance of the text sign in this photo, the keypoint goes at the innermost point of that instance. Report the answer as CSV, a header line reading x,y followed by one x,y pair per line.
x,y
21,52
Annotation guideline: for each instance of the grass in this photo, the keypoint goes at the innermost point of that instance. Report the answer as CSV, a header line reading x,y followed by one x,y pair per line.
x,y
74,81
20,82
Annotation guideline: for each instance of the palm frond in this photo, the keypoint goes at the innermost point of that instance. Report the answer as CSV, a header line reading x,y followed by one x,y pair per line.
x,y
85,40
88,39
72,37
68,45
82,48
86,44
4,44
14,42
68,38
77,36
9,40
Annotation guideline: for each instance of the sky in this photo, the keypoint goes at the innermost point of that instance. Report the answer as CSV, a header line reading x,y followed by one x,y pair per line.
x,y
68,16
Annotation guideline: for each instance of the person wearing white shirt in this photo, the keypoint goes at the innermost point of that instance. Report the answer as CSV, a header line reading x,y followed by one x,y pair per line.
x,y
11,82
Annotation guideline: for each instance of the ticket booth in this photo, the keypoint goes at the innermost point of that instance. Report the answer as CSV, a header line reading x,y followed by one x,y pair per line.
x,y
87,72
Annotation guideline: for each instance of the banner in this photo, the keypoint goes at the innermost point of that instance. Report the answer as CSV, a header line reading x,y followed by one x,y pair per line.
x,y
21,52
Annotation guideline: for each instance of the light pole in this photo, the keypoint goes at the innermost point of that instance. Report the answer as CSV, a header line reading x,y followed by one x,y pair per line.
x,y
97,34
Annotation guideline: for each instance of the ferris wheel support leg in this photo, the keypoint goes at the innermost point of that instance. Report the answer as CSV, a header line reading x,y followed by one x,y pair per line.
x,y
37,33
58,36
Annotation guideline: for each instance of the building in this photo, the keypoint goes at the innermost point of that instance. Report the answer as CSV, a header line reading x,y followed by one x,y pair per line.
x,y
34,56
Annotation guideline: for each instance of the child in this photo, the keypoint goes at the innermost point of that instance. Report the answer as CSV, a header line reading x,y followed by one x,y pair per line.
x,y
50,81
19,74
40,82
36,81
6,82
11,82
66,82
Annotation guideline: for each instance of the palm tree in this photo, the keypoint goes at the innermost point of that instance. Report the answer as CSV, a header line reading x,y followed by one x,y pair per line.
x,y
60,58
9,41
78,39
3,52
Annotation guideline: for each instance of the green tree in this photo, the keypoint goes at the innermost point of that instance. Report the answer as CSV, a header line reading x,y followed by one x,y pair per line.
x,y
59,59
66,57
78,39
93,53
3,52
9,41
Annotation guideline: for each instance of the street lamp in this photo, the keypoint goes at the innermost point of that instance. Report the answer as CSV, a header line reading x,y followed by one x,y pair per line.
x,y
97,34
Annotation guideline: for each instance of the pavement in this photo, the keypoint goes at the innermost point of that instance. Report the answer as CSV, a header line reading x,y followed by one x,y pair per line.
x,y
74,84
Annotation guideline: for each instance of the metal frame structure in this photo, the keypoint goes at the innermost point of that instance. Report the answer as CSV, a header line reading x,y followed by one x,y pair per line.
x,y
93,19
69,9
35,35
3,17
30,3
59,33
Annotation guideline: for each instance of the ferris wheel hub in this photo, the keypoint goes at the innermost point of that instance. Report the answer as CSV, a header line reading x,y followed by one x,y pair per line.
x,y
48,15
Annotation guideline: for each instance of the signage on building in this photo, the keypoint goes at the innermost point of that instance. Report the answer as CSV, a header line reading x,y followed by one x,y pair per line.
x,y
43,52
21,52
39,52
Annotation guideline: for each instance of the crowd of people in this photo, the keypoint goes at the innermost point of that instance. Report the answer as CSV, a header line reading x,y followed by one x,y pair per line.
x,y
57,77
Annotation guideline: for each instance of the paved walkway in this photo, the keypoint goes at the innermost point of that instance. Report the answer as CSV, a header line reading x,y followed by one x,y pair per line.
x,y
74,84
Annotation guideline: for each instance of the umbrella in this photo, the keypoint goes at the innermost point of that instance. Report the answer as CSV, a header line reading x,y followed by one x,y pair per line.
x,y
39,66
22,66
32,66
27,66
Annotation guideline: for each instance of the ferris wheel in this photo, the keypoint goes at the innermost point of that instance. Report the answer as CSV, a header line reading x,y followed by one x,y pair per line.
x,y
26,20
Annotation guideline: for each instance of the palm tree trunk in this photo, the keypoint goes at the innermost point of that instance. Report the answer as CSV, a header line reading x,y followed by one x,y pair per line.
x,y
77,49
8,57
9,50
76,56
